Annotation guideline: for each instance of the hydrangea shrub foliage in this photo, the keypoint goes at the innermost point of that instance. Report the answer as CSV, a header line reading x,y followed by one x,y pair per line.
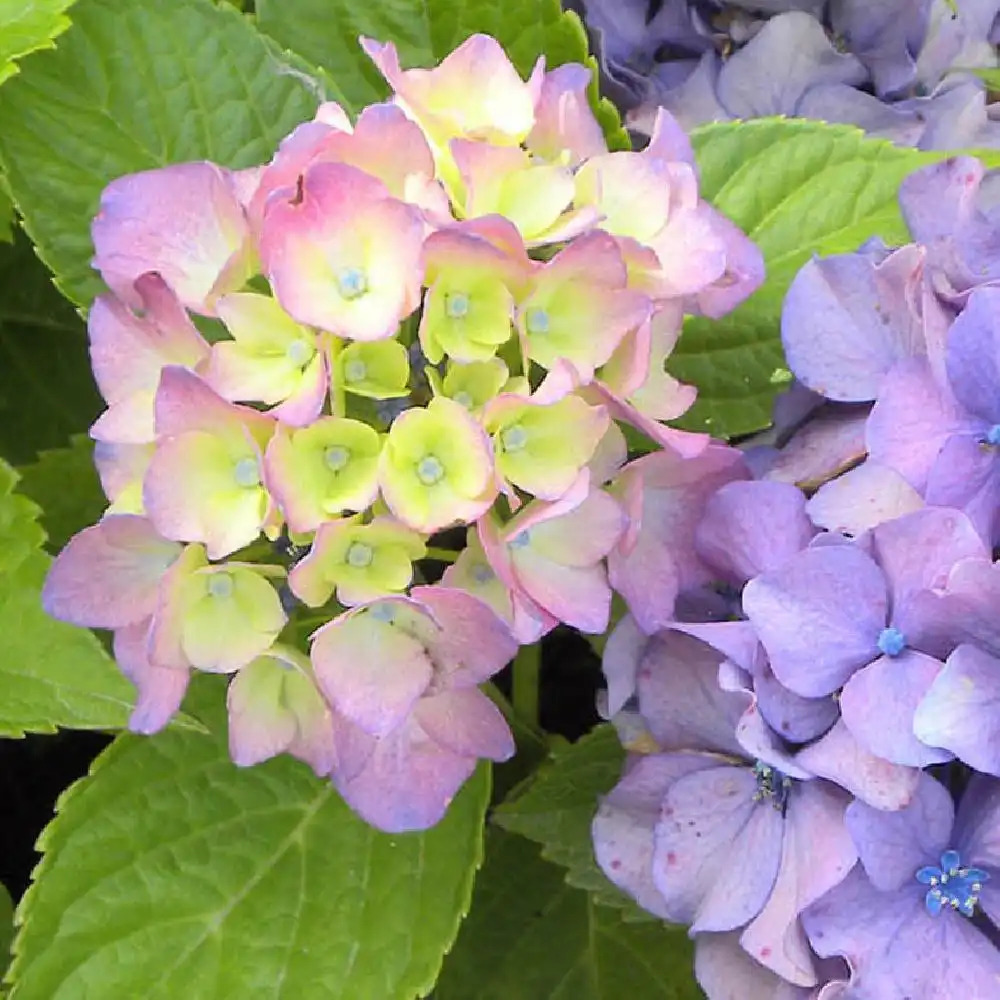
x,y
349,352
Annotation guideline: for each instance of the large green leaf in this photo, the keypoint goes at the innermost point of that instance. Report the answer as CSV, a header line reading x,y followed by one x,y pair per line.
x,y
325,32
47,391
28,25
797,188
556,807
171,873
132,86
51,674
6,926
64,483
530,936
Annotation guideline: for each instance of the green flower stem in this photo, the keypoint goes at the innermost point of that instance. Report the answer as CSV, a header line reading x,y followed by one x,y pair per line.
x,y
527,671
338,398
442,555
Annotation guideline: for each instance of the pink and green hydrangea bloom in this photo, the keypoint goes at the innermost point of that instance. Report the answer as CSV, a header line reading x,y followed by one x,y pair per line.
x,y
469,307
275,707
378,369
361,562
128,352
342,254
184,222
204,482
316,473
271,358
436,468
579,308
541,446
214,617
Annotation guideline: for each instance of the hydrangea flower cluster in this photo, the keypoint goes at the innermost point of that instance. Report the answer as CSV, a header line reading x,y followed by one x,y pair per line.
x,y
814,777
900,69
433,318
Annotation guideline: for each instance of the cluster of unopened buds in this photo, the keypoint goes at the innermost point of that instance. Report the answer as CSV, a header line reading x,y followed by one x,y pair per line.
x,y
434,318
814,713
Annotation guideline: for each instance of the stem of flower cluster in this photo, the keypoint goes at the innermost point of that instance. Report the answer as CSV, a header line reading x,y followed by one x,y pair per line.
x,y
526,679
338,399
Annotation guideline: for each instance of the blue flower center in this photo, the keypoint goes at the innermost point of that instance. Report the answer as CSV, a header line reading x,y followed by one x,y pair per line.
x,y
220,585
514,438
355,370
360,555
520,540
772,786
952,885
300,352
891,641
336,457
993,435
430,470
351,282
537,321
456,305
246,473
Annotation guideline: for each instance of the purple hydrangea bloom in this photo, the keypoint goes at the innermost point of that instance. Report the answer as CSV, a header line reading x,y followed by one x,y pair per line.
x,y
722,829
917,916
944,438
850,616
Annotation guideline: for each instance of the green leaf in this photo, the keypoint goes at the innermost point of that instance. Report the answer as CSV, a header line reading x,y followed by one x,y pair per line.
x,y
325,32
26,26
51,674
557,806
133,86
6,927
530,936
65,484
797,188
47,391
169,873
6,213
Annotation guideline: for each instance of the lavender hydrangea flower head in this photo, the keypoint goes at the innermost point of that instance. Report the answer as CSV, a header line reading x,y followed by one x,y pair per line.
x,y
719,829
917,917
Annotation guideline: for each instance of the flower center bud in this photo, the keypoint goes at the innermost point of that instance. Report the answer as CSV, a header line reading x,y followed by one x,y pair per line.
x,y
514,438
772,785
351,282
520,540
246,473
430,470
300,352
537,321
359,555
220,585
482,573
891,641
382,613
355,370
993,435
456,305
463,399
952,885
336,457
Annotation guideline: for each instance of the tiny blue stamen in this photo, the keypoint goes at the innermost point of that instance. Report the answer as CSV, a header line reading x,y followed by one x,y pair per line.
x,y
336,457
993,435
430,470
482,573
351,282
220,585
463,399
520,540
891,641
383,612
246,473
537,321
456,305
952,885
360,555
355,370
300,352
514,438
